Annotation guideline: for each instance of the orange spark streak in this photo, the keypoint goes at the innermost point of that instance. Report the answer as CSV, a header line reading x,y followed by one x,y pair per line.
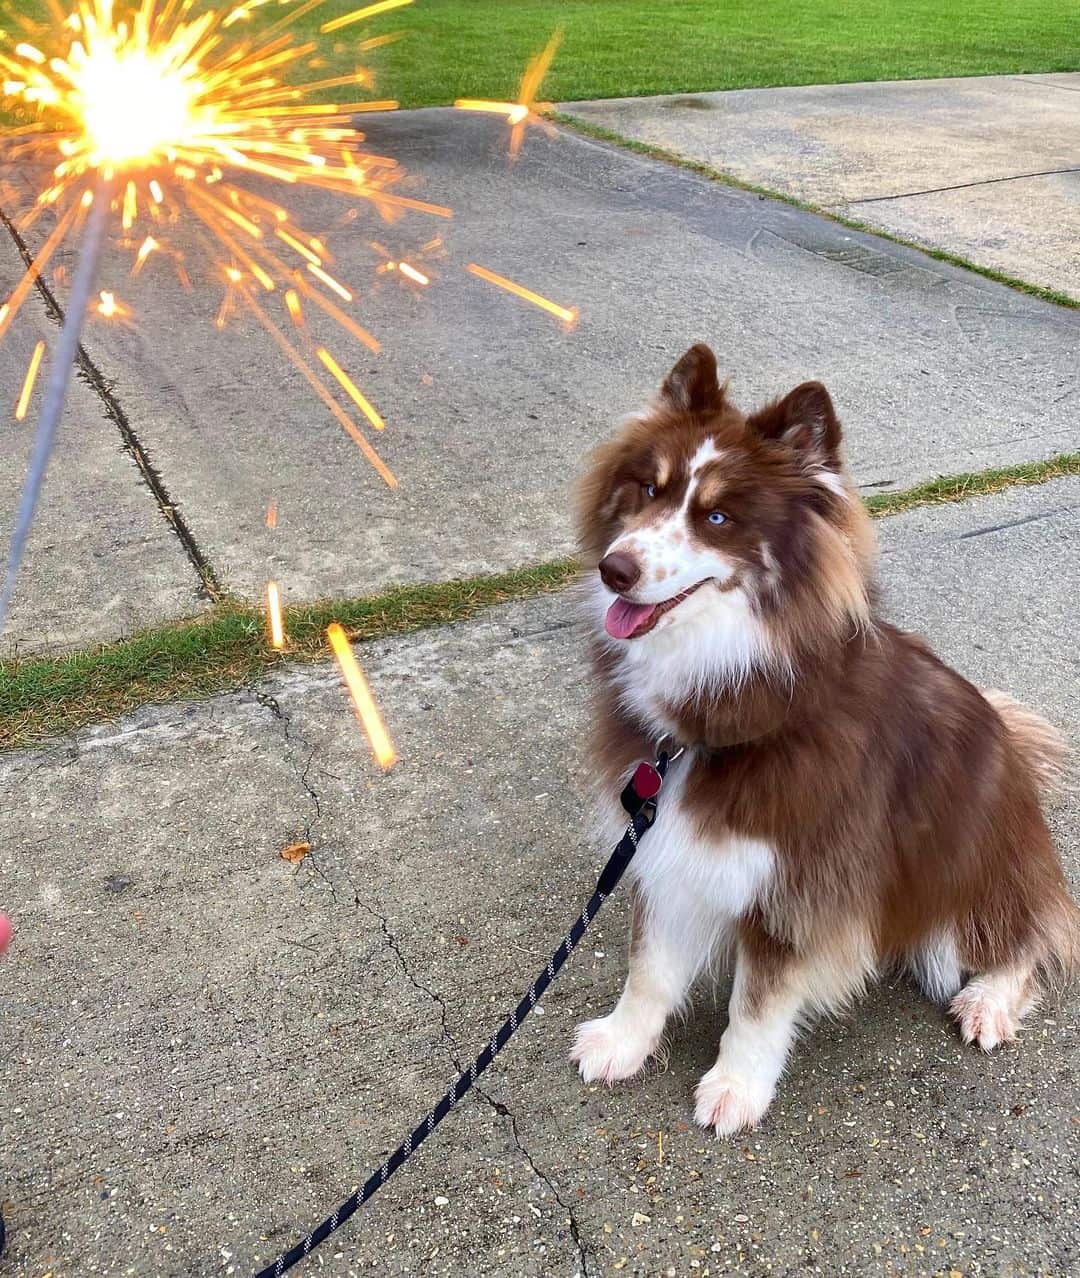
x,y
363,702
271,515
296,311
131,206
568,314
515,112
28,382
273,614
145,249
518,113
358,15
297,247
110,307
349,387
413,273
301,365
330,282
346,321
230,243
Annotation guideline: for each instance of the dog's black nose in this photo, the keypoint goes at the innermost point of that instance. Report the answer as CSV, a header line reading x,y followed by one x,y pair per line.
x,y
619,572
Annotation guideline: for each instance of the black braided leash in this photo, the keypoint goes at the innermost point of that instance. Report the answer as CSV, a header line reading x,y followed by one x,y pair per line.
x,y
639,800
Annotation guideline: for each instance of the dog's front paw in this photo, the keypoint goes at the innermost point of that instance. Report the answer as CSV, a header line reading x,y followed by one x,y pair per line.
x,y
730,1102
605,1050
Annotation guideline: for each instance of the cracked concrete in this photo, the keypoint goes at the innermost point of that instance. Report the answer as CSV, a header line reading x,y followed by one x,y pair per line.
x,y
454,1057
207,1048
987,167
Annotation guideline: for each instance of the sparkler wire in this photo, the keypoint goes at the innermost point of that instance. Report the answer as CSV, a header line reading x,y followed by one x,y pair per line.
x,y
56,387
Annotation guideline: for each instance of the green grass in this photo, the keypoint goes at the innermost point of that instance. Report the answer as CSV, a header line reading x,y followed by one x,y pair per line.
x,y
952,488
44,696
616,48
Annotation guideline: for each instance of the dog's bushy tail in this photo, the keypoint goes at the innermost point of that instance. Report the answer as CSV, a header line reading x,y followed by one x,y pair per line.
x,y
1041,745
1043,749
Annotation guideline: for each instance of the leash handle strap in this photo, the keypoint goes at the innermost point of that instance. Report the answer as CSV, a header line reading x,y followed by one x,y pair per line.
x,y
639,799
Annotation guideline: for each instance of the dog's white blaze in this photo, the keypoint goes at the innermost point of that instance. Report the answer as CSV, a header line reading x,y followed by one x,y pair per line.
x,y
707,453
670,558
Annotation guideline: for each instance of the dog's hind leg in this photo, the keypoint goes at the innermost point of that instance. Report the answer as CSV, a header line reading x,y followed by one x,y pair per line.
x,y
1022,938
662,969
992,1004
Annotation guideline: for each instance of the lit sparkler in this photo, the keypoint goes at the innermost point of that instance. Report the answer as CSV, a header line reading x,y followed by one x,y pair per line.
x,y
145,116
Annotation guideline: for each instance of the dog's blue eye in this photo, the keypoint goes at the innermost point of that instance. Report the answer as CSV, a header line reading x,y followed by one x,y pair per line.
x,y
716,517
650,490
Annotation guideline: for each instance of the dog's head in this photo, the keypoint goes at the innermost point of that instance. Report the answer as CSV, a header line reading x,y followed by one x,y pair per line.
x,y
739,535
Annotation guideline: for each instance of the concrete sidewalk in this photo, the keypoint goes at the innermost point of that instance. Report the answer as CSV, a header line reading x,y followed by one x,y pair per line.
x,y
491,404
207,1047
100,559
987,167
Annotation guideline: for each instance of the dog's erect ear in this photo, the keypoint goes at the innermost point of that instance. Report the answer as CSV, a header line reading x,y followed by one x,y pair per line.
x,y
804,419
692,385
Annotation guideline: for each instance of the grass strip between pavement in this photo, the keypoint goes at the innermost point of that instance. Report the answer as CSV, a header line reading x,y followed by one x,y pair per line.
x,y
228,647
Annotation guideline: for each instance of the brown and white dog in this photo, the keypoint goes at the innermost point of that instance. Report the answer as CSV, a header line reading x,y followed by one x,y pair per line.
x,y
845,801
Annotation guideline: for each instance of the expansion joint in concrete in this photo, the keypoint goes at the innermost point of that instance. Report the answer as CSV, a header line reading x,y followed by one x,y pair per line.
x,y
960,186
209,586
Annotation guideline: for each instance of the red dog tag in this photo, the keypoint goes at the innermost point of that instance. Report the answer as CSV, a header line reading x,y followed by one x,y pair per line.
x,y
647,781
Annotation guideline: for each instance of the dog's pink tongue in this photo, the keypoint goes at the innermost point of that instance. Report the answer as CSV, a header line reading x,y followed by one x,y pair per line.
x,y
623,618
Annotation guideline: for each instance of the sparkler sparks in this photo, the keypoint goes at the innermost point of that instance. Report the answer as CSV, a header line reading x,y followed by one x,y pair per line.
x,y
273,615
179,104
110,307
150,114
568,314
28,381
151,122
410,272
363,702
526,109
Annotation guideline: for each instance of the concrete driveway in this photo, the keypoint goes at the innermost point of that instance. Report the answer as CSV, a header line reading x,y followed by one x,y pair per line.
x,y
207,1047
987,167
490,403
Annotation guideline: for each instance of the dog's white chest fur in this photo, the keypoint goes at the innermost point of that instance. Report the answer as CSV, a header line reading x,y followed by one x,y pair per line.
x,y
692,882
